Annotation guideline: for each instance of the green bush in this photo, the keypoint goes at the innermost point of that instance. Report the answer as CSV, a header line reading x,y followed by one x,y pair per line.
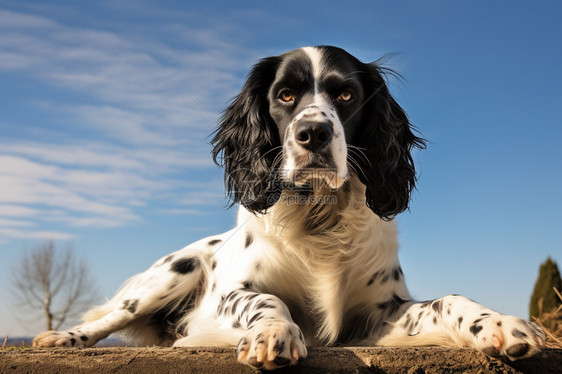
x,y
549,277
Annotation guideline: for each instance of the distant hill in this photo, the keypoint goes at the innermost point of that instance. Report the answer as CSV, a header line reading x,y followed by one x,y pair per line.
x,y
25,341
20,341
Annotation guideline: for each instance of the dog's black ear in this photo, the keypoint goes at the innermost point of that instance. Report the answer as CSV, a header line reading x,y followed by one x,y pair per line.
x,y
386,139
246,142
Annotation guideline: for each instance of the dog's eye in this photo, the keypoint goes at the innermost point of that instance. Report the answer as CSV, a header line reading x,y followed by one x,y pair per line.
x,y
345,96
286,96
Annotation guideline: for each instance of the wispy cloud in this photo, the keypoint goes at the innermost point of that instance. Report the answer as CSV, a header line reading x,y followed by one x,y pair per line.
x,y
122,135
10,233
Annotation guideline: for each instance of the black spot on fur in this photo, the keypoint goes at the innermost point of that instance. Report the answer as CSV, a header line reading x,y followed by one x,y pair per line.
x,y
84,338
247,285
71,333
125,304
223,307
518,334
132,308
168,259
396,273
214,242
386,276
235,324
249,240
484,314
279,346
475,329
73,342
437,306
231,295
392,305
234,295
255,317
235,305
409,325
499,323
408,320
263,304
460,322
435,320
214,265
185,265
373,278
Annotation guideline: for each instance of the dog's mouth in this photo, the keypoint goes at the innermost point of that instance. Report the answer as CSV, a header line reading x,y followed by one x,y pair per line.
x,y
314,169
317,177
311,160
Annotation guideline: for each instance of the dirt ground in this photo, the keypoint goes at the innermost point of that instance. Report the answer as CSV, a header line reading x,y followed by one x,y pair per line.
x,y
222,360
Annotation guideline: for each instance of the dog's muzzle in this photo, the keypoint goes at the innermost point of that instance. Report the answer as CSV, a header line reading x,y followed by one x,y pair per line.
x,y
316,148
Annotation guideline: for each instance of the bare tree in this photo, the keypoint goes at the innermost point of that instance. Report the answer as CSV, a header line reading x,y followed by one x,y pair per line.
x,y
54,282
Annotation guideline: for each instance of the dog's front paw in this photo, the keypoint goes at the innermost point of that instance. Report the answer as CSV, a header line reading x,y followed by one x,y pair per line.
x,y
60,339
271,344
509,336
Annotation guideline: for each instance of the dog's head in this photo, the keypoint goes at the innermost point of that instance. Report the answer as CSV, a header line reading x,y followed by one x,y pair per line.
x,y
316,113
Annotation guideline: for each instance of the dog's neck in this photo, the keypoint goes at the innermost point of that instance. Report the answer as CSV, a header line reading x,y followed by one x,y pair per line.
x,y
321,211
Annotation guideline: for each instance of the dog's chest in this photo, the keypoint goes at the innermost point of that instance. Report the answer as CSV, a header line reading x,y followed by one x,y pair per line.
x,y
318,292
323,277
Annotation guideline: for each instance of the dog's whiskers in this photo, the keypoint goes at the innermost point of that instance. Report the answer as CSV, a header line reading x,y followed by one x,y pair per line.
x,y
354,165
359,152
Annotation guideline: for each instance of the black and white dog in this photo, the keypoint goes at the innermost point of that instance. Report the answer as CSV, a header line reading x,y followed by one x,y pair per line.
x,y
318,154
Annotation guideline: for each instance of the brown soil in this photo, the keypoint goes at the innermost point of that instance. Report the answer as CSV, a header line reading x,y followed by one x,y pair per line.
x,y
222,360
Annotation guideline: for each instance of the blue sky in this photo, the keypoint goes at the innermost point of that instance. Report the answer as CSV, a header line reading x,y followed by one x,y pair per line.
x,y
106,108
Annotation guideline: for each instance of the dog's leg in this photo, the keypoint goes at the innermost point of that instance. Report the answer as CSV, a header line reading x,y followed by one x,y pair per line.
x,y
270,338
458,321
165,284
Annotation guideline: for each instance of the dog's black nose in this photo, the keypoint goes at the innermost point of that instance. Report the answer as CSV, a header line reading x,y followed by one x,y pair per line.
x,y
313,135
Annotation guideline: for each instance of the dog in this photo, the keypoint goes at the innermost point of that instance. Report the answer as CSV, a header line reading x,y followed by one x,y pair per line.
x,y
319,156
